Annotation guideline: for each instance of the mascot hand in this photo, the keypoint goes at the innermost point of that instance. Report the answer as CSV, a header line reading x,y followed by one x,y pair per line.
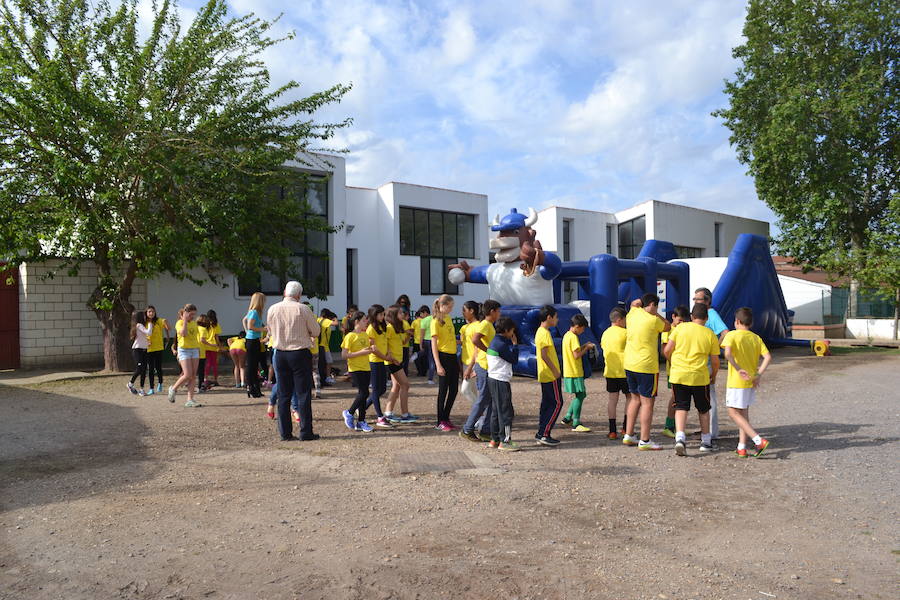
x,y
459,273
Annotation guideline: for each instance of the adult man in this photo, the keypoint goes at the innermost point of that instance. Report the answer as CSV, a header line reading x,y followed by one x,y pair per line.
x,y
718,327
293,326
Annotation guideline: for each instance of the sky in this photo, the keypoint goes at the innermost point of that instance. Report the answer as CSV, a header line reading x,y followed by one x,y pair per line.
x,y
587,104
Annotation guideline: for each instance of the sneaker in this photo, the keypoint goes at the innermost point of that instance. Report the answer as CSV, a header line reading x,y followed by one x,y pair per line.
x,y
764,443
629,440
329,380
150,392
443,426
547,440
142,393
451,425
131,388
363,426
581,429
393,418
742,453
493,444
706,448
430,382
159,388
469,435
649,446
409,418
567,420
382,422
349,421
612,435
484,437
172,394
509,446
192,404
668,433
680,448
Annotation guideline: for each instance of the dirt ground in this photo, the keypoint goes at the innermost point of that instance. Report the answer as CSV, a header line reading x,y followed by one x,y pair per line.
x,y
108,495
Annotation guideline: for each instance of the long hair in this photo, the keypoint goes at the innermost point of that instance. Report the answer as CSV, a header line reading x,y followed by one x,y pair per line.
x,y
379,326
437,309
392,316
403,300
257,302
475,308
213,320
203,321
354,319
138,317
155,315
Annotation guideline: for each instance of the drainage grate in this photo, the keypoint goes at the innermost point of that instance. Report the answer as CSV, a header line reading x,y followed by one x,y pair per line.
x,y
433,461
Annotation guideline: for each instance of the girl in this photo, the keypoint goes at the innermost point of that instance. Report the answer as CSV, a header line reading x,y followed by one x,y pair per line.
x,y
422,353
188,340
396,335
156,347
203,332
407,339
354,349
253,325
380,355
443,350
237,349
140,335
425,326
212,348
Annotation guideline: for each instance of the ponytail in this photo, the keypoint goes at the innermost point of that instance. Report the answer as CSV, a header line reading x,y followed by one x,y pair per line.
x,y
438,311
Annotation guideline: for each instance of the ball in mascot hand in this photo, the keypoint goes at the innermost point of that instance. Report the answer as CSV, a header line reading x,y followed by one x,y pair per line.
x,y
456,276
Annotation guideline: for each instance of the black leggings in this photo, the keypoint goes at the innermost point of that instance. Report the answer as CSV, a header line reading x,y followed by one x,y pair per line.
x,y
140,364
448,385
361,381
154,363
251,375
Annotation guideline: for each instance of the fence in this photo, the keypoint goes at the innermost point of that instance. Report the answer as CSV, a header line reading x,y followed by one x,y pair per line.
x,y
869,305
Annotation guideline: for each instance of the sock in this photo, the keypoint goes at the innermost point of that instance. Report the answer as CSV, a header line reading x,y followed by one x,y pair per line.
x,y
706,439
742,446
576,408
757,440
680,437
670,424
612,425
645,441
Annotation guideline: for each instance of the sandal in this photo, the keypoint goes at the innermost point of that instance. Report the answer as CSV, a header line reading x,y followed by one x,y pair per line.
x,y
270,412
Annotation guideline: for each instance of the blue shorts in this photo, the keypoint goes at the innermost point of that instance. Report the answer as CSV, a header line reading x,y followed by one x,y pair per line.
x,y
188,353
643,384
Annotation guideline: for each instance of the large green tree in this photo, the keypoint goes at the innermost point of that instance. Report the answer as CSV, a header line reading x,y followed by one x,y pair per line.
x,y
815,114
148,149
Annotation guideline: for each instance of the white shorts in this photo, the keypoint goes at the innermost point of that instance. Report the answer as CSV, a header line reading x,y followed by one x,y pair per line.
x,y
740,397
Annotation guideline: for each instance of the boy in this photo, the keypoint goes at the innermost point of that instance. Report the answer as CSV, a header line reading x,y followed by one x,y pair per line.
x,y
548,376
481,335
612,342
573,371
690,346
501,355
326,321
742,351
643,324
679,315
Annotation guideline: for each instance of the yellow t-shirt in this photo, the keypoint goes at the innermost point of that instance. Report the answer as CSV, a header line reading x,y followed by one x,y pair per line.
x,y
192,339
210,337
487,331
641,334
408,333
238,343
417,330
746,347
381,343
663,340
694,344
325,332
445,334
354,342
156,336
572,366
613,344
394,343
465,341
543,339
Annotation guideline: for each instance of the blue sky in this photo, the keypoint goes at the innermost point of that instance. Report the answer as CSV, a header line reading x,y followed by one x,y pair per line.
x,y
596,105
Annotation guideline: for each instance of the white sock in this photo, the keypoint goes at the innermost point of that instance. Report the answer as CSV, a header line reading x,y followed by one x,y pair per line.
x,y
757,440
706,439
742,446
680,436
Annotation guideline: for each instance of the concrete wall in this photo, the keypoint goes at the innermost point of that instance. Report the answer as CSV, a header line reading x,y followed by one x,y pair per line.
x,y
587,233
875,329
805,299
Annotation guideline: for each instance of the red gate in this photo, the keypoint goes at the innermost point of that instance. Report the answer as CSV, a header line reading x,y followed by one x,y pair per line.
x,y
9,318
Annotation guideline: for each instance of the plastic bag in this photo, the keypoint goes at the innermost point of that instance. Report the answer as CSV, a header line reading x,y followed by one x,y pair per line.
x,y
468,390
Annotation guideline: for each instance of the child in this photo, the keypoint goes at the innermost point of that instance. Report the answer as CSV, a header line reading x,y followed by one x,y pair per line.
x,y
743,349
679,315
481,335
188,352
345,322
416,326
613,344
573,371
428,362
355,349
443,350
203,331
237,349
377,335
396,336
689,347
140,336
252,323
501,355
326,321
214,330
155,348
548,375
314,350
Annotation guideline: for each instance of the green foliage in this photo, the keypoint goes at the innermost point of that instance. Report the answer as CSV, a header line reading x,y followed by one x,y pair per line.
x,y
815,114
148,152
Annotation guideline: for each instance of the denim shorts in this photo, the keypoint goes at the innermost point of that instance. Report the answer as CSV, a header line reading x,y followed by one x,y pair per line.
x,y
188,353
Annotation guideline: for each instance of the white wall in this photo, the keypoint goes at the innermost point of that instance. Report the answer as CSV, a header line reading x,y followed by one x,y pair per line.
x,y
686,226
875,329
587,233
805,299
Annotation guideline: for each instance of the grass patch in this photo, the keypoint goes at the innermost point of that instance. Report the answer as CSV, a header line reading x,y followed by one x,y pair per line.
x,y
839,351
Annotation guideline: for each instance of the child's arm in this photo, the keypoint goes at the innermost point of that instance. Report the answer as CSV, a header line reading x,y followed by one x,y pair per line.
x,y
374,350
714,361
669,349
729,356
767,358
345,354
545,354
581,350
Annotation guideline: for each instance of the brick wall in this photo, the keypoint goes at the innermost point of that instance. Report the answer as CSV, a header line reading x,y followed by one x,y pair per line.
x,y
56,328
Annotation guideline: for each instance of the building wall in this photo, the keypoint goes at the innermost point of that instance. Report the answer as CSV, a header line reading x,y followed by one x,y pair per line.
x,y
685,226
870,329
805,298
587,233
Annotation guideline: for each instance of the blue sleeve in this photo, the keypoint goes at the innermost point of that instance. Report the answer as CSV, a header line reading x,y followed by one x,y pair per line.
x,y
506,350
478,274
715,322
552,266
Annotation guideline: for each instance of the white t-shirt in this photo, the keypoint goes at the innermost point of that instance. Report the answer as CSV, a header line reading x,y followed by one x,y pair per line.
x,y
142,336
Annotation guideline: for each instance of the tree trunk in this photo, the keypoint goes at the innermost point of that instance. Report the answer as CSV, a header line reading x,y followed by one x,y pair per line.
x,y
110,302
853,299
116,326
896,311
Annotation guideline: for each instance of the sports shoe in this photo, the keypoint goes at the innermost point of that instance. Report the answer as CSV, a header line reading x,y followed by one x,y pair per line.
x,y
192,404
469,435
141,392
159,388
509,446
547,440
741,453
382,422
329,380
581,429
408,418
567,420
706,448
430,382
363,426
172,394
349,421
150,392
451,425
629,440
493,444
131,388
761,447
393,418
680,448
612,435
668,433
649,446
484,437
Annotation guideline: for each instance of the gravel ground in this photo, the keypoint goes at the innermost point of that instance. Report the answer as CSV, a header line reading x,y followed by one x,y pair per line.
x,y
108,495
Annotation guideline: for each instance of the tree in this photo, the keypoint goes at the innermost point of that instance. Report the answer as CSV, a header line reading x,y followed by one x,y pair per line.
x,y
147,154
815,114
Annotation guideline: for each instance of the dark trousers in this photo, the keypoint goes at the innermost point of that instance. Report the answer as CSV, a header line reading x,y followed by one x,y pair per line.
x,y
294,371
448,385
503,414
482,405
551,404
251,375
429,359
140,364
323,366
421,360
378,379
154,365
361,380
405,361
201,369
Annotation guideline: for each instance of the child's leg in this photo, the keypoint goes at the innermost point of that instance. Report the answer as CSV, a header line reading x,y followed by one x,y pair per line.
x,y
361,381
392,396
505,412
494,387
646,416
378,386
577,401
612,403
670,414
632,410
741,418
401,383
201,370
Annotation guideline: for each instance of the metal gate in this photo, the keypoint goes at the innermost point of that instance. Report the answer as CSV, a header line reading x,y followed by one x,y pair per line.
x,y
9,318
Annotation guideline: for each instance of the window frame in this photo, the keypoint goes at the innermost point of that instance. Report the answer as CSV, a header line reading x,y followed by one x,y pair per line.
x,y
423,224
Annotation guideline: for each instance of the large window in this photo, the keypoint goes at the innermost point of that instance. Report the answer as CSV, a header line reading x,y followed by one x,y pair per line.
x,y
688,252
610,231
439,239
632,235
309,247
568,286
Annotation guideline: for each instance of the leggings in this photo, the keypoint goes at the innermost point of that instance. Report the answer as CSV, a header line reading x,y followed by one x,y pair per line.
x,y
251,376
154,362
140,364
378,378
448,385
361,381
212,364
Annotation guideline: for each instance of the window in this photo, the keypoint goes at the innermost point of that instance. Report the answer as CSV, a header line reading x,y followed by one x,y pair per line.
x,y
309,248
440,239
568,286
632,235
718,229
688,252
609,238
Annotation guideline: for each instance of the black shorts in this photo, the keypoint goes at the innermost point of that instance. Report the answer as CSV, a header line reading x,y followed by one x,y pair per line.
x,y
392,368
684,393
617,384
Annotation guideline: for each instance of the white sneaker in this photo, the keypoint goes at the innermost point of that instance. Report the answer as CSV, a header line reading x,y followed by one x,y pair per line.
x,y
171,394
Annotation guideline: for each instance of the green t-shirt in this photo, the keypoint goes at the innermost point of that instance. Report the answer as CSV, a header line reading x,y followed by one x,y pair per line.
x,y
425,324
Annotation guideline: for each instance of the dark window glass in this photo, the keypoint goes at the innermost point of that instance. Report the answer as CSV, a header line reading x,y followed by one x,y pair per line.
x,y
450,235
632,235
407,231
465,236
435,234
421,224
